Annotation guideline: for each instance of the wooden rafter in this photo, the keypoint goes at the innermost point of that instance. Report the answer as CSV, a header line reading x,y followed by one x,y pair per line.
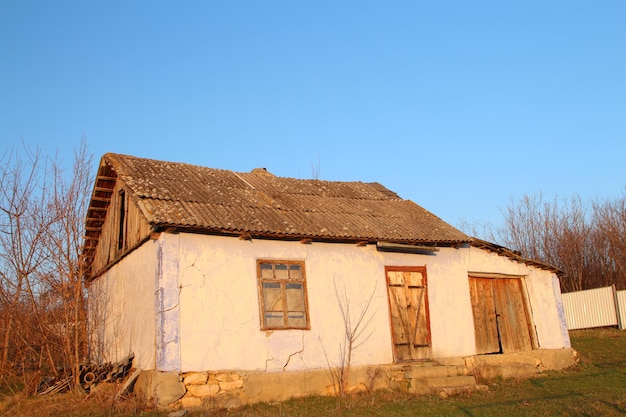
x,y
96,213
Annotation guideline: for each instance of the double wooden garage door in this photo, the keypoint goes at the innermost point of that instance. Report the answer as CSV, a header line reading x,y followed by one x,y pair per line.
x,y
501,319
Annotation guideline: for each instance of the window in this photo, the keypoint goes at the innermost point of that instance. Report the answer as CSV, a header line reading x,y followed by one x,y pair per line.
x,y
282,295
121,238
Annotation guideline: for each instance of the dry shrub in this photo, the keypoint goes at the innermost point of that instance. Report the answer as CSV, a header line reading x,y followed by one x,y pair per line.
x,y
103,401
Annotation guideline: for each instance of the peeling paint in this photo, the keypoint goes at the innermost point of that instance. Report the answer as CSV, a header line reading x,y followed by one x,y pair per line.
x,y
556,288
167,304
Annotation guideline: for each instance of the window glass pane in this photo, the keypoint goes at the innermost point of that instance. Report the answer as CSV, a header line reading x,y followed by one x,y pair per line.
x,y
272,297
267,271
274,319
296,319
280,271
295,272
295,296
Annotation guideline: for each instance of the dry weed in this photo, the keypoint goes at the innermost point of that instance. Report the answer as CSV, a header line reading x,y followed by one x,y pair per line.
x,y
102,402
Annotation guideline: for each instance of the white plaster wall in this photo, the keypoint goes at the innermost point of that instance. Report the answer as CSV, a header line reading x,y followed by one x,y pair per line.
x,y
544,303
558,298
187,301
219,304
488,262
167,302
451,319
121,310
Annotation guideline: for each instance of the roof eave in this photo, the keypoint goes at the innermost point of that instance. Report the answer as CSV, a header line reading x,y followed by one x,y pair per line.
x,y
177,228
503,251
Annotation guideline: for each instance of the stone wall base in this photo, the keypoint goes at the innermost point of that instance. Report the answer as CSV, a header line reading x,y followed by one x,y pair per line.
x,y
234,388
520,364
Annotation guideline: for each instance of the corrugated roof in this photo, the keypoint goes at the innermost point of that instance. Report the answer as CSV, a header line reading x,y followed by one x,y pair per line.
x,y
264,205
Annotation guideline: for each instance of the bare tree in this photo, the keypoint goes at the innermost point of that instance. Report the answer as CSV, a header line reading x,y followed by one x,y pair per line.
x,y
42,211
610,221
24,221
585,240
64,240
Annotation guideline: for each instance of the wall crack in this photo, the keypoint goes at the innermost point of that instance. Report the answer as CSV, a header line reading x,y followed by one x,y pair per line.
x,y
197,270
299,352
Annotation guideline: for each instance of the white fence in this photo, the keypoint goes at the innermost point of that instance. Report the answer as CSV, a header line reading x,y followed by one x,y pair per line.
x,y
599,307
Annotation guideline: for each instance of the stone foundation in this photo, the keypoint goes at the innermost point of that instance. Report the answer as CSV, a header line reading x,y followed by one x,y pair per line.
x,y
230,388
520,364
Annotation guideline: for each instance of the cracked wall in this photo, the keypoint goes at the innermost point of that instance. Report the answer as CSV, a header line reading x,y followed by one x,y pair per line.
x,y
219,314
219,303
189,302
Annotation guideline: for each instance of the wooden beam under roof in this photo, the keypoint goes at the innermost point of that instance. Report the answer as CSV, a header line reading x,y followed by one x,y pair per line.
x,y
103,189
102,192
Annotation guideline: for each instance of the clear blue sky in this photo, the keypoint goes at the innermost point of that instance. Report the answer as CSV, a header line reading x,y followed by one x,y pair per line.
x,y
459,106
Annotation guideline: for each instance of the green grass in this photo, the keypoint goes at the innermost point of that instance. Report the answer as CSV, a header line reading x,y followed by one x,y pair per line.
x,y
596,386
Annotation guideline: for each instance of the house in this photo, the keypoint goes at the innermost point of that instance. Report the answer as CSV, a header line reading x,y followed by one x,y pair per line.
x,y
234,287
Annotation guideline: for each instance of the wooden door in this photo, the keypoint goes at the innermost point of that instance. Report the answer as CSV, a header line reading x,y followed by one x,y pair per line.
x,y
408,306
501,321
484,310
